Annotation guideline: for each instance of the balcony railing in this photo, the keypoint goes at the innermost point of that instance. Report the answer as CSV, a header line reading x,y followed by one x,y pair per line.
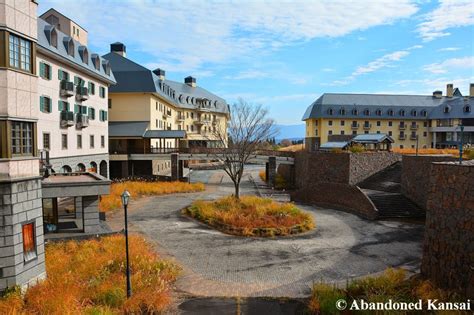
x,y
66,88
180,118
202,121
367,126
82,121
66,119
82,93
355,126
402,126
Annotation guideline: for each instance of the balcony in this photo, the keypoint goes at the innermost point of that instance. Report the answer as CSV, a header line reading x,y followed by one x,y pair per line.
x,y
82,94
367,126
180,118
82,121
413,137
402,137
66,119
355,126
166,114
202,121
402,126
66,88
414,126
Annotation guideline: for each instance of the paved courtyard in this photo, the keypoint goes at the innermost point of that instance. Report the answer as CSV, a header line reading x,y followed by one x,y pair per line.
x,y
342,246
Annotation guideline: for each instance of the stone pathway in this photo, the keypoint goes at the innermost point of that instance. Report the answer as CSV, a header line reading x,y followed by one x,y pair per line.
x,y
342,246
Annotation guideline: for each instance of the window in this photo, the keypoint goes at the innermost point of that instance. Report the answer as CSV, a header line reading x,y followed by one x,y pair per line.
x,y
78,81
390,124
91,87
330,132
102,115
390,112
366,112
354,132
402,112
378,112
102,141
63,106
378,131
401,146
91,140
355,112
102,92
156,123
342,111
110,103
425,134
424,113
378,123
80,109
64,141
22,138
425,124
45,71
342,132
390,133
20,53
330,123
79,141
63,75
29,241
46,141
330,111
91,113
447,109
45,104
343,122
467,109
414,113
366,132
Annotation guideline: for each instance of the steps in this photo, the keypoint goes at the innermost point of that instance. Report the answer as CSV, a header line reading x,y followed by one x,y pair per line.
x,y
384,190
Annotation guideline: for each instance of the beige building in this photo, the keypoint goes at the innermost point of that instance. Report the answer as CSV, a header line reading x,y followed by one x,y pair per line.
x,y
151,114
65,25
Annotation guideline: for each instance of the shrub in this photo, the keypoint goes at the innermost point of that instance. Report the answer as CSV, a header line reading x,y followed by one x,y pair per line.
x,y
280,182
88,278
323,299
251,216
357,148
262,175
138,189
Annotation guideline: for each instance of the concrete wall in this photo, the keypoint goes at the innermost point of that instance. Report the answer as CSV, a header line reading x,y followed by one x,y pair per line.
x,y
20,203
448,249
90,206
416,176
72,161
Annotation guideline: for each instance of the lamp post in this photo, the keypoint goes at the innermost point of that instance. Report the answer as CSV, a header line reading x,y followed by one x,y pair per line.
x,y
125,198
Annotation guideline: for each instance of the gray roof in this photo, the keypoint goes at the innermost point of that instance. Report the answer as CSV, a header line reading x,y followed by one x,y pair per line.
x,y
44,46
334,145
381,106
372,138
132,77
139,129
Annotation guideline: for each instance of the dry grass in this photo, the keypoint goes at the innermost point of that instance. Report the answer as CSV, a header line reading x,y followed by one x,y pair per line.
x,y
427,151
280,182
392,284
138,189
293,148
251,216
88,278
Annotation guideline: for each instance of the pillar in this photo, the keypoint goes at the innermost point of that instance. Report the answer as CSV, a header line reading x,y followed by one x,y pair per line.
x,y
90,209
271,170
174,166
434,140
180,168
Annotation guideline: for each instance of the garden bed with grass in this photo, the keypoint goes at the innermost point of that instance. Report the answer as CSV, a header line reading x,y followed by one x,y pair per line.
x,y
88,277
251,216
139,189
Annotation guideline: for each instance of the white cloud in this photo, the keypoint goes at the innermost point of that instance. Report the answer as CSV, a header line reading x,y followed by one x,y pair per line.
x,y
451,64
449,49
188,35
449,14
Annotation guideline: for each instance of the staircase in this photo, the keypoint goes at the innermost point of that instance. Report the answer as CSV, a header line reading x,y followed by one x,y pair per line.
x,y
384,190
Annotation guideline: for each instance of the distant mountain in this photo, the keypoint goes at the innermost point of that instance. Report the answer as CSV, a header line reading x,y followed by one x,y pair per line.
x,y
291,132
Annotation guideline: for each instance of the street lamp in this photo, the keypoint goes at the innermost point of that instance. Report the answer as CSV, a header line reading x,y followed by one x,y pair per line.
x,y
125,198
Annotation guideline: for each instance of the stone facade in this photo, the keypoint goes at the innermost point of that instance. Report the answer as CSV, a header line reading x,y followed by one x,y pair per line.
x,y
415,176
57,164
364,165
20,203
448,249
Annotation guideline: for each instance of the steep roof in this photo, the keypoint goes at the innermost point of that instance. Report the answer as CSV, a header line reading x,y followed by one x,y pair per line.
x,y
342,105
133,77
44,46
372,138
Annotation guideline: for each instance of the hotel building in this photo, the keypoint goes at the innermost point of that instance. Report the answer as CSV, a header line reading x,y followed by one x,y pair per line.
x,y
151,114
432,121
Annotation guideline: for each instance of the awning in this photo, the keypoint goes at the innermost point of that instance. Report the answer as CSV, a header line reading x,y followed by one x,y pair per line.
x,y
173,134
373,138
334,145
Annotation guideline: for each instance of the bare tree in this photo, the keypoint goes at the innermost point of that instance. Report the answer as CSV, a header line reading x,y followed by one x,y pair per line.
x,y
248,129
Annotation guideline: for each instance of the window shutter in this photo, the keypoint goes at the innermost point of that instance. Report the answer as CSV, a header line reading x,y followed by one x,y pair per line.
x,y
76,108
50,105
60,74
84,110
76,80
42,103
60,105
50,72
105,115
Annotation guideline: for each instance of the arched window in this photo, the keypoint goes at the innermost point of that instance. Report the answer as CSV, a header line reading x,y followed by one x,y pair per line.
x,y
355,112
84,53
93,167
467,109
330,111
424,113
447,109
390,112
342,111
69,45
402,112
103,169
367,112
66,169
378,112
80,167
414,113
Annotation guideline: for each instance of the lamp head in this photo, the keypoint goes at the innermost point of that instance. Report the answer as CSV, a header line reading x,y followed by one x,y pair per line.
x,y
125,197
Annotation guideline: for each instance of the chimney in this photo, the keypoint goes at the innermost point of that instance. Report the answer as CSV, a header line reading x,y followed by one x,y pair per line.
x,y
190,81
437,94
160,73
118,48
471,90
449,90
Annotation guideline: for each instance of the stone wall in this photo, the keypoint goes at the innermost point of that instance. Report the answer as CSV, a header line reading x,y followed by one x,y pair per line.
x,y
448,249
415,176
364,165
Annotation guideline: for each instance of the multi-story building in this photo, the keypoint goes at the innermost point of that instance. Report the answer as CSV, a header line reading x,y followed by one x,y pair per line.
x,y
37,126
72,87
149,113
432,121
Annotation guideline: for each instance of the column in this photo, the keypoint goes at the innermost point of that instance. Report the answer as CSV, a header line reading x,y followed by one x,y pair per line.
x,y
434,140
271,170
174,166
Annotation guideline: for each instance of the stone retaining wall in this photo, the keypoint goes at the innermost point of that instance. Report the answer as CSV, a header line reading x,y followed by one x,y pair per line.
x,y
448,249
415,176
364,165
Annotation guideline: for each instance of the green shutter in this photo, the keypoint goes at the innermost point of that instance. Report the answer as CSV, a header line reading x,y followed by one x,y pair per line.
x,y
60,74
76,108
50,72
50,107
105,115
76,80
84,110
41,69
41,103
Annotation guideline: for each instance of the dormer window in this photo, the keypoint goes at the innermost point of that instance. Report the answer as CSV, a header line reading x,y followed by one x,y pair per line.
x,y
390,112
446,109
355,112
84,53
54,38
467,109
69,45
366,112
342,111
414,113
378,112
106,66
330,111
424,113
96,61
402,112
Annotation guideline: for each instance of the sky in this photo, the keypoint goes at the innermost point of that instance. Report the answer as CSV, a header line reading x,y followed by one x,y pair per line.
x,y
285,54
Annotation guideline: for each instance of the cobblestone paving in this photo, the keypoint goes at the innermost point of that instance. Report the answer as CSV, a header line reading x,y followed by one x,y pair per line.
x,y
342,246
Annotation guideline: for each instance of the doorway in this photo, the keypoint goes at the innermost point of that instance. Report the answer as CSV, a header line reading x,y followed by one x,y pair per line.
x,y
61,215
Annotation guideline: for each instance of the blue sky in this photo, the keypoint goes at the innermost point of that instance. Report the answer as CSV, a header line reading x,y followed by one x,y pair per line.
x,y
284,55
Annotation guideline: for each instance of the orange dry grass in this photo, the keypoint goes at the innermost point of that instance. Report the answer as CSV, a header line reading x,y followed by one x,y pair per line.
x,y
250,212
89,277
293,148
427,151
262,176
138,189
